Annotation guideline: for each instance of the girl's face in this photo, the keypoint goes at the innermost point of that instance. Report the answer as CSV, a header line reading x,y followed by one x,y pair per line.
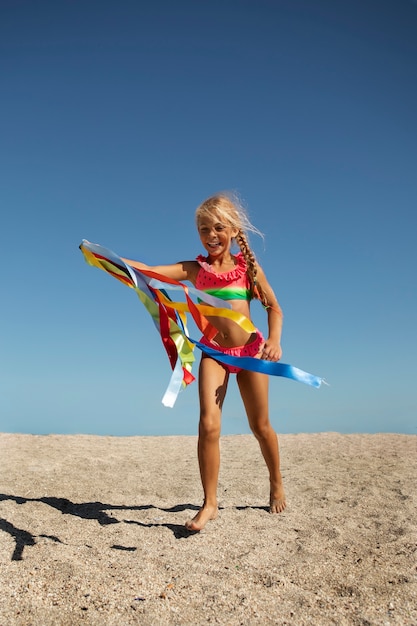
x,y
216,235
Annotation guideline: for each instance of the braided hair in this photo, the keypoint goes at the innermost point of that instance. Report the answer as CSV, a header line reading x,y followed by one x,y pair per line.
x,y
228,207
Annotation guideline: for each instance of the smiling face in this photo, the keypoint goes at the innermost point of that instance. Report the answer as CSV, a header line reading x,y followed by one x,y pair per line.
x,y
216,234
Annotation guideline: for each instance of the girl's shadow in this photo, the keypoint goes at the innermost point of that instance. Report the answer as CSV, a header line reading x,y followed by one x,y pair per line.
x,y
87,510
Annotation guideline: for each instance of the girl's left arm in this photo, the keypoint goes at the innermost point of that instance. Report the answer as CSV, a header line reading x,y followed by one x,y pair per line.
x,y
272,350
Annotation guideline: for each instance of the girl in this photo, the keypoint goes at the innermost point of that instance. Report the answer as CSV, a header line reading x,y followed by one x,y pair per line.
x,y
221,221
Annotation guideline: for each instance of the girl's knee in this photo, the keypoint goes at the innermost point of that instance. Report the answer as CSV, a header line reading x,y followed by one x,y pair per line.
x,y
209,427
262,429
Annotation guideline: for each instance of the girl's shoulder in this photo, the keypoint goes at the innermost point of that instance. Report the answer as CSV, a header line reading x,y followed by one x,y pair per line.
x,y
191,268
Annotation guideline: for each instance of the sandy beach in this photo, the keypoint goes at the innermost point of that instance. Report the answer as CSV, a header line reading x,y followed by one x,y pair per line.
x,y
92,532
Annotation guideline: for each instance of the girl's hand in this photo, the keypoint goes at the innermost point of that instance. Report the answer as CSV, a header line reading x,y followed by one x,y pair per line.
x,y
270,351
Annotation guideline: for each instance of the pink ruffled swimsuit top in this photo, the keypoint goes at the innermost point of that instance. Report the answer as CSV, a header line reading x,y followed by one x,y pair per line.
x,y
231,285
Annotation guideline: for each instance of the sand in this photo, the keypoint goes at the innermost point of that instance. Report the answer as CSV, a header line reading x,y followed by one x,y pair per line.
x,y
92,532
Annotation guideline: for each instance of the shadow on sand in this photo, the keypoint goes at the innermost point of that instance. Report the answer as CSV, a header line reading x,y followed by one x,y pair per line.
x,y
90,511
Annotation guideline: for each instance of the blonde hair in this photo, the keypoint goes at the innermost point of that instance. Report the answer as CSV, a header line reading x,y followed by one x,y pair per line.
x,y
228,208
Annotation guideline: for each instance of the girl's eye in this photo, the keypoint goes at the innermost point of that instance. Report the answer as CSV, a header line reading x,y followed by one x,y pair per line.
x,y
220,227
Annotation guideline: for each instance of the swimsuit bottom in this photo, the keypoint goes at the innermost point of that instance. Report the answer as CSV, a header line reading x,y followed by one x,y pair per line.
x,y
249,349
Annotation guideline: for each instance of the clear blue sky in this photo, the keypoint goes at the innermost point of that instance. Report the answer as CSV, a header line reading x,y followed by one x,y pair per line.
x,y
119,117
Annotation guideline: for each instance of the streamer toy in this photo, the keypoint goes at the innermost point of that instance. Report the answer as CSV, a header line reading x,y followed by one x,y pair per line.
x,y
170,319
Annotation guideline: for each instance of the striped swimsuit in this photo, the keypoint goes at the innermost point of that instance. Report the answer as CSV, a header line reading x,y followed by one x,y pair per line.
x,y
231,285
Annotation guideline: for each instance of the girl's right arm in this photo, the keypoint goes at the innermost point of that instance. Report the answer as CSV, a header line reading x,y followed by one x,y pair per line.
x,y
184,270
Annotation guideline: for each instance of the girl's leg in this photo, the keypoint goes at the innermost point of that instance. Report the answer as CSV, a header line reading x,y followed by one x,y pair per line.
x,y
253,388
213,379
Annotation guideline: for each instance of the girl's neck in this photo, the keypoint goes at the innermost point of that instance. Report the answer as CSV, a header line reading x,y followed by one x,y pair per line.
x,y
224,261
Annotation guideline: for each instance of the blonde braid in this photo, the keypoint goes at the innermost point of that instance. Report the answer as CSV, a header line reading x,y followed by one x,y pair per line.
x,y
252,270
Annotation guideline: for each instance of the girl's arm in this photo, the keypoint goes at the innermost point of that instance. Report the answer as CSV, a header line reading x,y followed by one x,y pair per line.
x,y
184,270
272,350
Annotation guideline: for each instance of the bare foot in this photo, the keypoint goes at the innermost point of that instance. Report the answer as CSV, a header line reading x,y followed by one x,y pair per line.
x,y
205,514
277,502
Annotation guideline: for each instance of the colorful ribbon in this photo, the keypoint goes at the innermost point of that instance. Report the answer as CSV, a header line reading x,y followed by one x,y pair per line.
x,y
170,320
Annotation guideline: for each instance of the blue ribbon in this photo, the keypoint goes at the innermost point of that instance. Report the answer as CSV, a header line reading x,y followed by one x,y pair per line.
x,y
271,368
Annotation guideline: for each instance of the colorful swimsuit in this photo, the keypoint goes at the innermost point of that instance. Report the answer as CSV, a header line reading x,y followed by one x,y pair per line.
x,y
231,285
